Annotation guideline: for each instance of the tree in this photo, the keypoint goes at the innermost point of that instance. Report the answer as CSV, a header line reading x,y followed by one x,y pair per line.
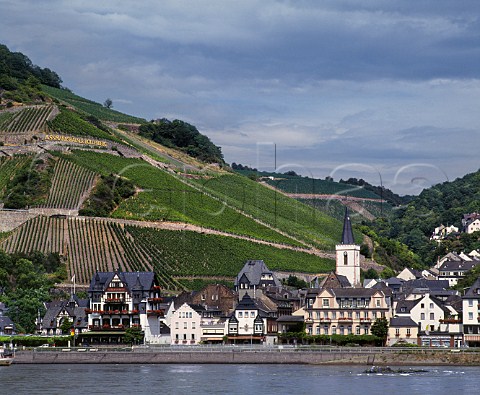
x,y
66,326
133,335
108,103
380,328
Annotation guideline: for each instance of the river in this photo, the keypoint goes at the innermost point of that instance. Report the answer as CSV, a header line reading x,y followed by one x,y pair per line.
x,y
231,379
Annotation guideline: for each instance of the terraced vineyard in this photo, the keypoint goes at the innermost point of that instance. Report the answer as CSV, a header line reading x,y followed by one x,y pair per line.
x,y
304,185
281,212
90,107
164,198
70,184
91,244
30,119
71,123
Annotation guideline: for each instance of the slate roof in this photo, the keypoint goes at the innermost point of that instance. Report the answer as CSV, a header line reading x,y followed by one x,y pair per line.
x,y
49,320
457,266
290,318
474,291
353,292
347,233
334,280
132,280
253,270
6,322
402,322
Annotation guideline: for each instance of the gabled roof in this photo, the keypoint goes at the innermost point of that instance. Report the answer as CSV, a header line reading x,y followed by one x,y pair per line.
x,y
474,291
334,280
132,280
253,270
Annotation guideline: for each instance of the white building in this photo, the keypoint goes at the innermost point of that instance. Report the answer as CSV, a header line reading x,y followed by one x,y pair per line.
x,y
348,254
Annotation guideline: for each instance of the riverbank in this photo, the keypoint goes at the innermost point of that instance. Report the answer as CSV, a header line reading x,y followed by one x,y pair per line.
x,y
334,356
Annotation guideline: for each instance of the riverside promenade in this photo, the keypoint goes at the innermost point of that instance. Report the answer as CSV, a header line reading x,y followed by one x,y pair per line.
x,y
250,355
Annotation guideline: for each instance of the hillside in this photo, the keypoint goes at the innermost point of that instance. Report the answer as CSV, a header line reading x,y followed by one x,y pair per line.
x,y
327,195
67,161
441,204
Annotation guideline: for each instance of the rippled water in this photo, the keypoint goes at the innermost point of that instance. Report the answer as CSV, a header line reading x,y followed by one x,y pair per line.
x,y
231,379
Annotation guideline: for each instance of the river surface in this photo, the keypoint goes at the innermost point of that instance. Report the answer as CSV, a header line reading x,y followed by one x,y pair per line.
x,y
232,379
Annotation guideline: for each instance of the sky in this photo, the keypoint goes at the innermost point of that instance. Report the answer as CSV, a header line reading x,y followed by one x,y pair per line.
x,y
388,91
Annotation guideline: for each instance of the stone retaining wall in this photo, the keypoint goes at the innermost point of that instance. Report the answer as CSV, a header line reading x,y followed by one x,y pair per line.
x,y
248,357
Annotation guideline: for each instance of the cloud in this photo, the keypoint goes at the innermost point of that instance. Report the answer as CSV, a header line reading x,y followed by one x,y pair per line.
x,y
386,84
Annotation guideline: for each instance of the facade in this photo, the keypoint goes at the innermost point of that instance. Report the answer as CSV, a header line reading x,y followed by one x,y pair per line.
x,y
471,222
402,330
119,300
57,312
185,324
471,315
253,321
454,270
348,254
254,278
345,311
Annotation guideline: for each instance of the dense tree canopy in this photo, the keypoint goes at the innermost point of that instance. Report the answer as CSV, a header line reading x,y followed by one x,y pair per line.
x,y
182,135
26,281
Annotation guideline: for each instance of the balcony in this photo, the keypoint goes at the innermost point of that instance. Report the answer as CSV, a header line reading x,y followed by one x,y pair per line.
x,y
365,319
155,300
344,319
153,313
325,319
452,321
308,320
114,300
107,327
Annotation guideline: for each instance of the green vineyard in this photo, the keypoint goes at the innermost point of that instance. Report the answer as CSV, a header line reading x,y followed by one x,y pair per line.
x,y
89,245
90,107
30,119
165,198
70,185
71,123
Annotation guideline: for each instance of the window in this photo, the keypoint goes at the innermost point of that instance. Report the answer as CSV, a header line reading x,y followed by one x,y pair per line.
x,y
193,336
317,315
176,325
184,325
432,316
240,314
357,330
334,315
378,302
408,332
357,315
422,316
397,331
193,324
431,305
325,330
334,330
325,314
318,330
470,303
326,303
422,305
345,258
470,316
252,314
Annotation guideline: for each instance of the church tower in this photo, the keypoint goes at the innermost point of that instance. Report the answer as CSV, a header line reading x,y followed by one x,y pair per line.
x,y
348,254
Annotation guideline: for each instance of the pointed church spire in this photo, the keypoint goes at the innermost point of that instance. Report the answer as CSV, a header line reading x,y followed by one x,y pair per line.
x,y
347,234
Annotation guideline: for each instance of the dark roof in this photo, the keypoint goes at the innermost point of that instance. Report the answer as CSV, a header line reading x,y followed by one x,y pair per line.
x,y
474,290
132,280
422,283
402,322
354,292
347,234
253,270
6,322
334,280
452,265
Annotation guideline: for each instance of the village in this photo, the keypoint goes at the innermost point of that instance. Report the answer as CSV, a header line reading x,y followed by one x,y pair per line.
x,y
419,306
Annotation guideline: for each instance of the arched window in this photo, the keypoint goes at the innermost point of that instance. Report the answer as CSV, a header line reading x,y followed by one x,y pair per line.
x,y
345,258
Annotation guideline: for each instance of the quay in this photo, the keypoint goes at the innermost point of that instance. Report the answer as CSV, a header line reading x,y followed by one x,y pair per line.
x,y
380,356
